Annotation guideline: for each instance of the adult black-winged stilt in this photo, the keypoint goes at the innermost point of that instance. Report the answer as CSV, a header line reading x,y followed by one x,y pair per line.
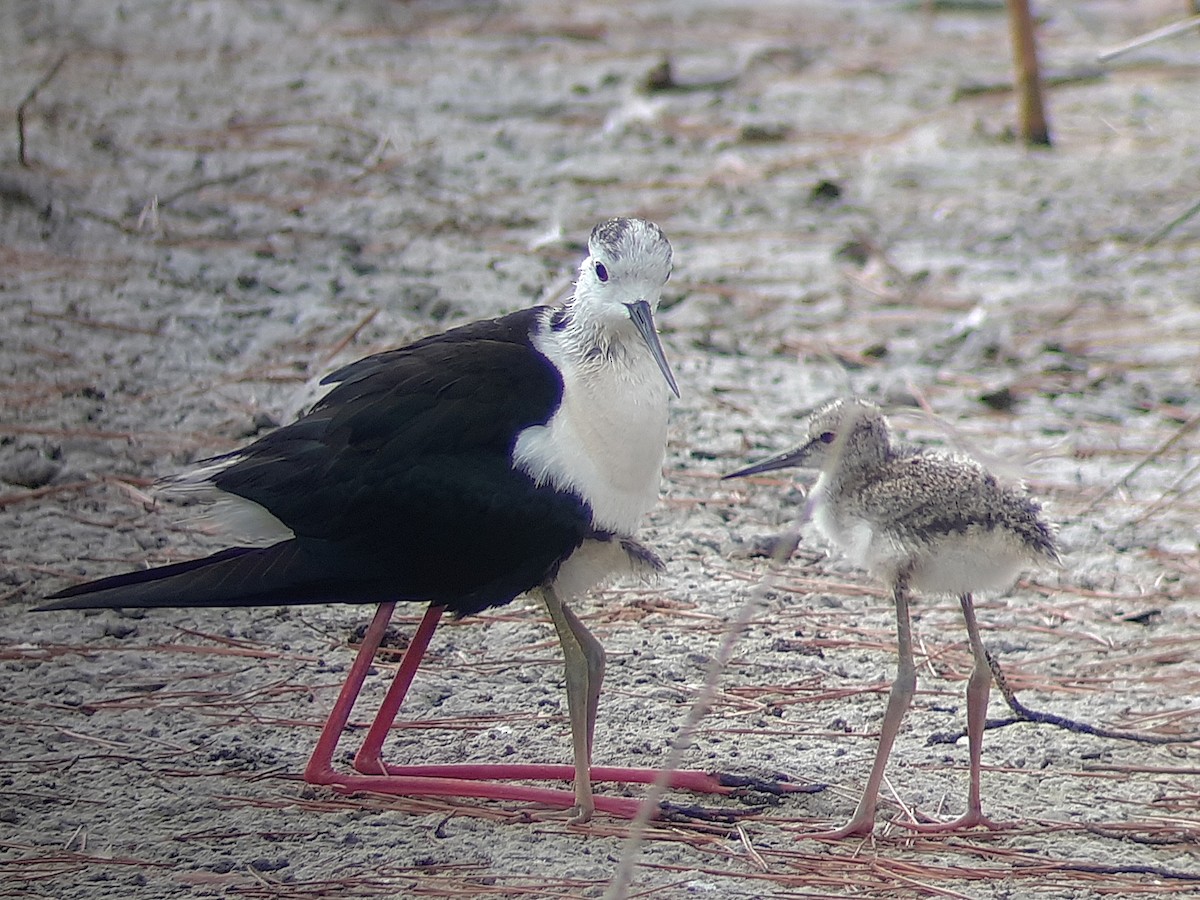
x,y
920,520
508,455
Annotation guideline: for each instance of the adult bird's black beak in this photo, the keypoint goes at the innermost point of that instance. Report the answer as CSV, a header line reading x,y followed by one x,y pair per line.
x,y
778,461
643,321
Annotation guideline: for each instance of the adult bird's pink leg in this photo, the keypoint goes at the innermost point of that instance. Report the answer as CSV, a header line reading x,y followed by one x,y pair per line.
x,y
320,765
369,759
899,699
978,688
462,780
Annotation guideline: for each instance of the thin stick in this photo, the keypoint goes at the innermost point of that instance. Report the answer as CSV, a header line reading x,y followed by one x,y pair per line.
x,y
1148,38
1025,714
1175,490
1028,83
24,104
1187,428
744,837
192,188
345,341
1162,232
7,500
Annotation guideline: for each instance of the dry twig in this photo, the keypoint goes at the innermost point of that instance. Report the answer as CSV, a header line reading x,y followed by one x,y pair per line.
x,y
24,105
1184,430
1148,38
1032,116
1025,714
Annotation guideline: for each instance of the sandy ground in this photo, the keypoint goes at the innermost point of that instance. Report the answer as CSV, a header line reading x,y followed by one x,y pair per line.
x,y
225,200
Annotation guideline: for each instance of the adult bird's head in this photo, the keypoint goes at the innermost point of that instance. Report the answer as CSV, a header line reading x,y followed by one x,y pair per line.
x,y
620,284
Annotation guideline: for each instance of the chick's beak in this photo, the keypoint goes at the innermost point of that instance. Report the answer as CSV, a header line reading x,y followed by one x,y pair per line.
x,y
778,461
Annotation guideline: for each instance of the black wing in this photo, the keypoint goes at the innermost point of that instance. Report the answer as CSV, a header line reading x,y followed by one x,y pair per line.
x,y
398,484
454,399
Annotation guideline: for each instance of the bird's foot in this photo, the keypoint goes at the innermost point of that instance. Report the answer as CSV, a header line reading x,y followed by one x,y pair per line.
x,y
682,812
973,818
742,785
856,827
580,814
369,763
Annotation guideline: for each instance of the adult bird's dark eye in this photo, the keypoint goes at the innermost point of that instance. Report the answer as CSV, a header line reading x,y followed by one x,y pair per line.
x,y
828,437
601,272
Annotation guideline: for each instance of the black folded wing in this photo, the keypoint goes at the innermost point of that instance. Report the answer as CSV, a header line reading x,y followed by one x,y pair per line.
x,y
398,484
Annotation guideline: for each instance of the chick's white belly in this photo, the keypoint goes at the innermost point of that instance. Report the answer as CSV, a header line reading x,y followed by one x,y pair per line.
x,y
977,559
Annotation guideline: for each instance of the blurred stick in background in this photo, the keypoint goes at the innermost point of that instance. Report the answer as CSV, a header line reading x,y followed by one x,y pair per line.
x,y
1028,82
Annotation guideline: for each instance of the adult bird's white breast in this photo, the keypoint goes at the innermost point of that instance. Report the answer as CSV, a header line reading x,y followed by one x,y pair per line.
x,y
605,442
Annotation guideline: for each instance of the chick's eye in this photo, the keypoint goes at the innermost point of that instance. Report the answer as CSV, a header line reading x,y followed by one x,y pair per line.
x,y
827,437
601,272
